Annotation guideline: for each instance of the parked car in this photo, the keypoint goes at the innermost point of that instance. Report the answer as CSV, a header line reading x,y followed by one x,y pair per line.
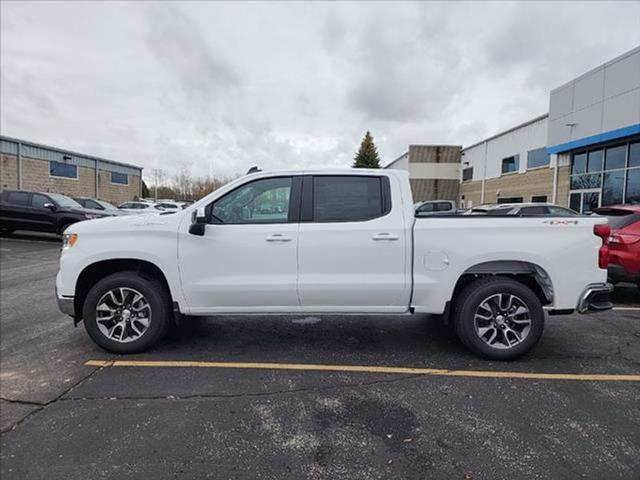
x,y
436,207
347,241
168,206
522,210
624,242
96,204
41,212
137,207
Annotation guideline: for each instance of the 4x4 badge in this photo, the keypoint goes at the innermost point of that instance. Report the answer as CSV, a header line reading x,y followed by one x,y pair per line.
x,y
562,222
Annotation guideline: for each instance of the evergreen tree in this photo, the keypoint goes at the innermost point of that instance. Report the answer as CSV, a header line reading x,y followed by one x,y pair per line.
x,y
367,156
145,190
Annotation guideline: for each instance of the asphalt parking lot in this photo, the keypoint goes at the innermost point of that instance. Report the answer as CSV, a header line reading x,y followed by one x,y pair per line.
x,y
279,397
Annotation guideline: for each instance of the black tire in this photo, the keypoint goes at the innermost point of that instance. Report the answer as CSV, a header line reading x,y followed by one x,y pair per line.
x,y
157,297
468,302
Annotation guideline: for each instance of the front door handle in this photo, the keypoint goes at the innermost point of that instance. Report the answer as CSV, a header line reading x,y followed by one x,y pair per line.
x,y
278,237
385,236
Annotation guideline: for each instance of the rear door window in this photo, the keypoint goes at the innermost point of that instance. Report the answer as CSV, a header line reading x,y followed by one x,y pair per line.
x,y
19,198
348,198
443,207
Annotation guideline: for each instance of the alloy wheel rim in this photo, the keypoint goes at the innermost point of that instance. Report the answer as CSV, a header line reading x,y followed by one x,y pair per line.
x,y
502,321
123,314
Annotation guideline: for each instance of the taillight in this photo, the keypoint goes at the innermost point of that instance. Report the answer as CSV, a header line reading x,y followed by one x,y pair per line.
x,y
623,239
604,232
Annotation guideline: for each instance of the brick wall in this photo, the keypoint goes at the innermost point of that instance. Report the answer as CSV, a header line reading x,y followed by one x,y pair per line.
x,y
434,153
563,187
525,185
116,193
428,189
35,177
472,192
434,188
9,172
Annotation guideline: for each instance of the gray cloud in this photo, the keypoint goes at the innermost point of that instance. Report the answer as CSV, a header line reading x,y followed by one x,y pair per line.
x,y
184,51
218,87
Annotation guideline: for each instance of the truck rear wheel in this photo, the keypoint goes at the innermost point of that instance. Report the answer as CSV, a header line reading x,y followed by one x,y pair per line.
x,y
498,318
126,312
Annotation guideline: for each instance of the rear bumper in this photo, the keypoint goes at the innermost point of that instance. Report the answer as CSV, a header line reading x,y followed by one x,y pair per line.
x,y
617,273
596,298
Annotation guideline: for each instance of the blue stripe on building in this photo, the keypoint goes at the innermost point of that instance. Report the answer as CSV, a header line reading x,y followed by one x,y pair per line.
x,y
601,137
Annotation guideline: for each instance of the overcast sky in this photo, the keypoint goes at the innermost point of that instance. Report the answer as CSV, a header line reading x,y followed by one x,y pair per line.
x,y
219,87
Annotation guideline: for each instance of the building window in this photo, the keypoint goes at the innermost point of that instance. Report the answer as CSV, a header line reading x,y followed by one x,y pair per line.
x,y
539,199
594,163
615,157
612,187
634,155
633,186
537,158
119,178
510,200
467,174
579,163
510,164
59,169
583,182
605,176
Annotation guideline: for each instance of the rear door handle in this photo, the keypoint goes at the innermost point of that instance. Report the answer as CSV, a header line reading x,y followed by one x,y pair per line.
x,y
278,237
384,236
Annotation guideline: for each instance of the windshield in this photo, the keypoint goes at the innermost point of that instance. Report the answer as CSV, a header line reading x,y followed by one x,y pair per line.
x,y
64,201
106,205
620,220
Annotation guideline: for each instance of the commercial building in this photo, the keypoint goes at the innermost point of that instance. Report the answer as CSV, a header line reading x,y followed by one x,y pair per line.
x,y
585,153
34,167
434,171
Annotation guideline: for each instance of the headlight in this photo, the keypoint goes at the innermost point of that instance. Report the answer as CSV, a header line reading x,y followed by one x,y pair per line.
x,y
90,216
69,240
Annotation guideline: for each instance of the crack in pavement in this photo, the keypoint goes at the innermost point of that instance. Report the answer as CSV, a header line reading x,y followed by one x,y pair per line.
x,y
42,406
249,395
23,402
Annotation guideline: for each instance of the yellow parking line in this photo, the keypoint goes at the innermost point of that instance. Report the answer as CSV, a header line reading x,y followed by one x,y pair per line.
x,y
588,377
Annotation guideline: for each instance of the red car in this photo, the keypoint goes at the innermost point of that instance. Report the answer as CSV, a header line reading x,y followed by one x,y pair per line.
x,y
624,242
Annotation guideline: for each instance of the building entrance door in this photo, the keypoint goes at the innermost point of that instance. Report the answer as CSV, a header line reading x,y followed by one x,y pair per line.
x,y
584,201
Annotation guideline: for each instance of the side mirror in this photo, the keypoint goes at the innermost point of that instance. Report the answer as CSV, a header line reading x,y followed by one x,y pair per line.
x,y
50,206
199,223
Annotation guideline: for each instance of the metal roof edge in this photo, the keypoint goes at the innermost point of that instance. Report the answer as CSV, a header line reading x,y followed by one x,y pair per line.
x,y
70,152
512,129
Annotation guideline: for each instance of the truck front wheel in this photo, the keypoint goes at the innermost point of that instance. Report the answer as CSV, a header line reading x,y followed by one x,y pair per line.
x,y
126,312
498,318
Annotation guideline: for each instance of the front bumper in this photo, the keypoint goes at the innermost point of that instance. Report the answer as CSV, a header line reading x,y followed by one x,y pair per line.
x,y
66,305
596,298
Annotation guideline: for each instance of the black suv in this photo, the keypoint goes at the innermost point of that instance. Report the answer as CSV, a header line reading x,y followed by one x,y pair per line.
x,y
41,212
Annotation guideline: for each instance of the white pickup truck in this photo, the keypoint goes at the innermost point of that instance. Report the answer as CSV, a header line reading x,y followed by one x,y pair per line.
x,y
334,241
